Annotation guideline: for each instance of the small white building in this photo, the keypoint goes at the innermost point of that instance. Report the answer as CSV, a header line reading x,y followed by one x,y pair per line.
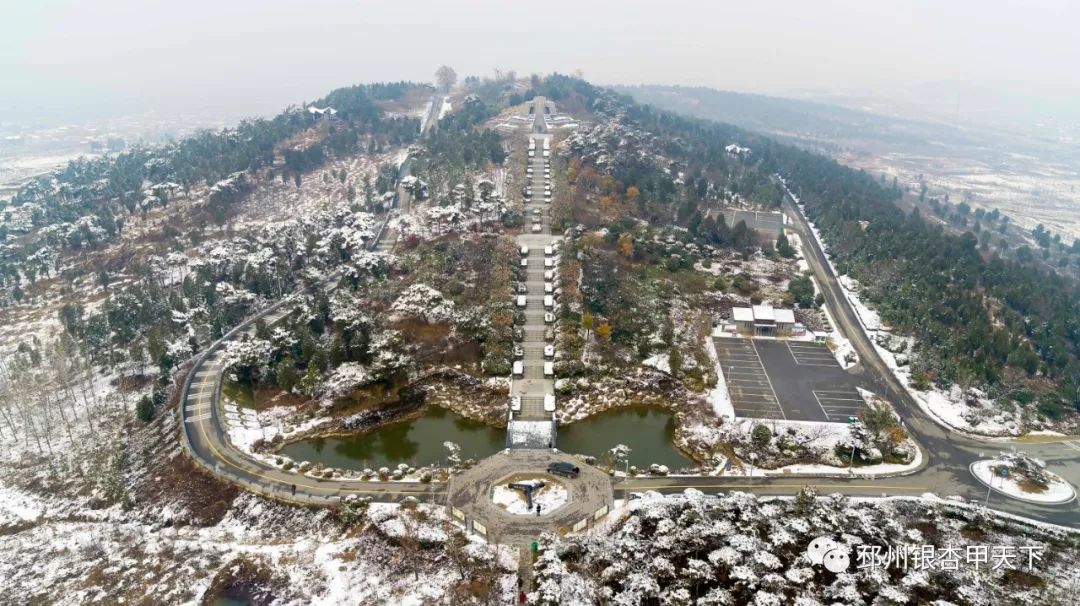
x,y
321,113
763,321
737,150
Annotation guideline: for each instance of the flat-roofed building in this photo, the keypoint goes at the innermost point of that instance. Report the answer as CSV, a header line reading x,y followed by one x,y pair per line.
x,y
763,321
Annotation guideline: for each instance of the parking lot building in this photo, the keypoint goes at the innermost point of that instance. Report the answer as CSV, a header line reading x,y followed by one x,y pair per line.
x,y
763,321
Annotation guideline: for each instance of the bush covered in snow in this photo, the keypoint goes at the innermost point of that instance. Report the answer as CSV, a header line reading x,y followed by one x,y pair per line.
x,y
738,549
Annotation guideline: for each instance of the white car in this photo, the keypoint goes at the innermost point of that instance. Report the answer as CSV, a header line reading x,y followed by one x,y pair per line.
x,y
549,275
536,211
549,369
549,301
549,351
521,301
524,251
549,250
548,262
549,318
515,403
519,368
549,288
524,262
549,403
537,228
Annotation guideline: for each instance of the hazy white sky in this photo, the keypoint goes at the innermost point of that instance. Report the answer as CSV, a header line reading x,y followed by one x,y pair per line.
x,y
108,57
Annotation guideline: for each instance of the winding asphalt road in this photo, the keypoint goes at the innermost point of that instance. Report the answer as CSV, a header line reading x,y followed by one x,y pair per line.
x,y
204,433
945,473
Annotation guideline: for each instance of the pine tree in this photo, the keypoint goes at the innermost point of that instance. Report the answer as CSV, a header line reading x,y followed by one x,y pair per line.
x,y
145,409
285,373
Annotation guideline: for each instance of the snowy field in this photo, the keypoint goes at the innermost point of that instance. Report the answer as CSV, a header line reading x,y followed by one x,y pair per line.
x,y
295,556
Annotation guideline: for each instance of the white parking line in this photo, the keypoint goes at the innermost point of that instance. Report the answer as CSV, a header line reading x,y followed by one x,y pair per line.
x,y
771,388
841,391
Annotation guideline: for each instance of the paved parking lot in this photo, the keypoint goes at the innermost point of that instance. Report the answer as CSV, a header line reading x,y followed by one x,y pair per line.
x,y
756,220
749,384
787,380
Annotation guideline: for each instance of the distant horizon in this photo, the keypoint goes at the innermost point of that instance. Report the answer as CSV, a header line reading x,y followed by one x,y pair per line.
x,y
68,61
228,112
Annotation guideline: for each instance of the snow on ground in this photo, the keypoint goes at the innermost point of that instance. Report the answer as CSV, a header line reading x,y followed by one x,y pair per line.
x,y
1057,490
550,496
18,507
246,428
822,437
719,397
869,318
529,432
426,114
306,556
659,362
750,550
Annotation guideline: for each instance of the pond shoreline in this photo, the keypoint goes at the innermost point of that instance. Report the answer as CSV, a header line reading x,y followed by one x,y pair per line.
x,y
478,401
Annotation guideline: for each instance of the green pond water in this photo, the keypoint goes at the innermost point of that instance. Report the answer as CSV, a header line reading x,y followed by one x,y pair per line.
x,y
417,442
647,431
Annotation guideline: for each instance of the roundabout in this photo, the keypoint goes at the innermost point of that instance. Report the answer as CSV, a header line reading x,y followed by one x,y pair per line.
x,y
1003,477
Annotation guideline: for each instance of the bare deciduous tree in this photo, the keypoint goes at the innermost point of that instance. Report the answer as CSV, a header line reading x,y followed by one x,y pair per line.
x,y
446,78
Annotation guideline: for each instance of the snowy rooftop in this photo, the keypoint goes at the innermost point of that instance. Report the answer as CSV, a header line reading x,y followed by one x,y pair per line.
x,y
764,312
